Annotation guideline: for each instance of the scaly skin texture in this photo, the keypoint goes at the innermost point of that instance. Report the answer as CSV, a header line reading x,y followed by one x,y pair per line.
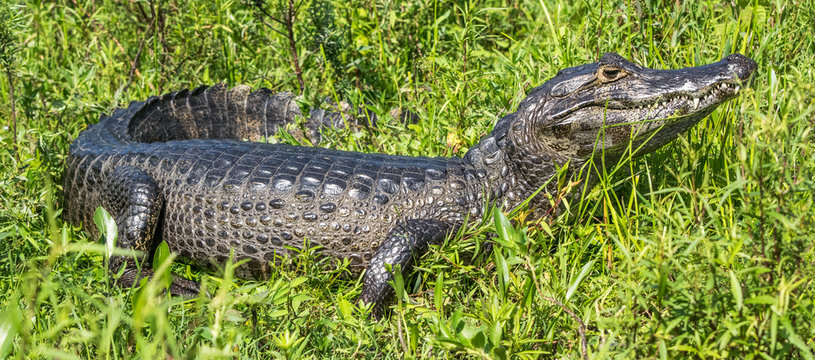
x,y
172,168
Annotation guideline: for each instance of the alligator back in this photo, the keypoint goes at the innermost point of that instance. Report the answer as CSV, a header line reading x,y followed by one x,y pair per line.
x,y
256,199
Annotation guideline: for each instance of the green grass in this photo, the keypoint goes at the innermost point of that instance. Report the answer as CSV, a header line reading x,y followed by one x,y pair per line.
x,y
703,248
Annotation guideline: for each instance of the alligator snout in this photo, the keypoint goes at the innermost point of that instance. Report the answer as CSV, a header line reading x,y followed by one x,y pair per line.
x,y
741,65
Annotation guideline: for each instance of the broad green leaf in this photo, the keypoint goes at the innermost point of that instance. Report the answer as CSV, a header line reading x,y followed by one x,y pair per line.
x,y
773,329
9,326
497,332
663,352
107,228
438,291
478,340
506,232
761,299
398,283
161,254
806,351
344,307
297,281
503,272
576,282
298,300
735,288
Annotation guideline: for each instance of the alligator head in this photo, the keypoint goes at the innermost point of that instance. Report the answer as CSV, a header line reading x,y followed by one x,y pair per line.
x,y
614,106
605,111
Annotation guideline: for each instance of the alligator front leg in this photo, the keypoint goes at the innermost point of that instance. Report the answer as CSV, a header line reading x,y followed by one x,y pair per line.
x,y
134,200
404,245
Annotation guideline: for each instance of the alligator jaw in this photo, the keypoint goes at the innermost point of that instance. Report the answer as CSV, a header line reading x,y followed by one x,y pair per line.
x,y
681,103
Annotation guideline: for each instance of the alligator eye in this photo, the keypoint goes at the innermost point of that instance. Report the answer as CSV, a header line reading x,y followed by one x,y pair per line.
x,y
611,73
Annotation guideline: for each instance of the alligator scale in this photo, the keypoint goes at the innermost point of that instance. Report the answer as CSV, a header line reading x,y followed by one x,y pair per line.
x,y
174,168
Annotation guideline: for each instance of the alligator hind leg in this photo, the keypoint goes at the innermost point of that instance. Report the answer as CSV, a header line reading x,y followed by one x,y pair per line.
x,y
134,200
404,245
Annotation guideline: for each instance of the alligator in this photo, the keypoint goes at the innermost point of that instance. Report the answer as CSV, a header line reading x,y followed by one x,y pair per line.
x,y
174,168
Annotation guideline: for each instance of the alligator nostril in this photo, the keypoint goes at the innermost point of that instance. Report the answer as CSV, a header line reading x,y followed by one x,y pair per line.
x,y
746,66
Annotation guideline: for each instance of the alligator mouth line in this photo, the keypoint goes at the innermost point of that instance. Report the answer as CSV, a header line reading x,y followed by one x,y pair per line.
x,y
712,95
684,102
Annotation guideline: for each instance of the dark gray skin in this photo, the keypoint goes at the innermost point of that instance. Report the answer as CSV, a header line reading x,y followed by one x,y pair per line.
x,y
172,168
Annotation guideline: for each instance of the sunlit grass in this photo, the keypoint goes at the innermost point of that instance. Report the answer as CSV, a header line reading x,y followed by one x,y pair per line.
x,y
703,248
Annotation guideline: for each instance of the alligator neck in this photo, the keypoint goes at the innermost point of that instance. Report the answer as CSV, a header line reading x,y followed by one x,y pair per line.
x,y
516,165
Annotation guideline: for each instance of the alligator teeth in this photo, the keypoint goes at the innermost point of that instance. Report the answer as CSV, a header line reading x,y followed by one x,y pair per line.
x,y
695,103
737,88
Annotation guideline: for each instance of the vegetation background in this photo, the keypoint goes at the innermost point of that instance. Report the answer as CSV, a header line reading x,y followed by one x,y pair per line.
x,y
701,249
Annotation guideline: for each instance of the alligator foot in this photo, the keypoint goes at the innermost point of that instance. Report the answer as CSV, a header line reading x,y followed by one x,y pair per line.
x,y
134,199
406,243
